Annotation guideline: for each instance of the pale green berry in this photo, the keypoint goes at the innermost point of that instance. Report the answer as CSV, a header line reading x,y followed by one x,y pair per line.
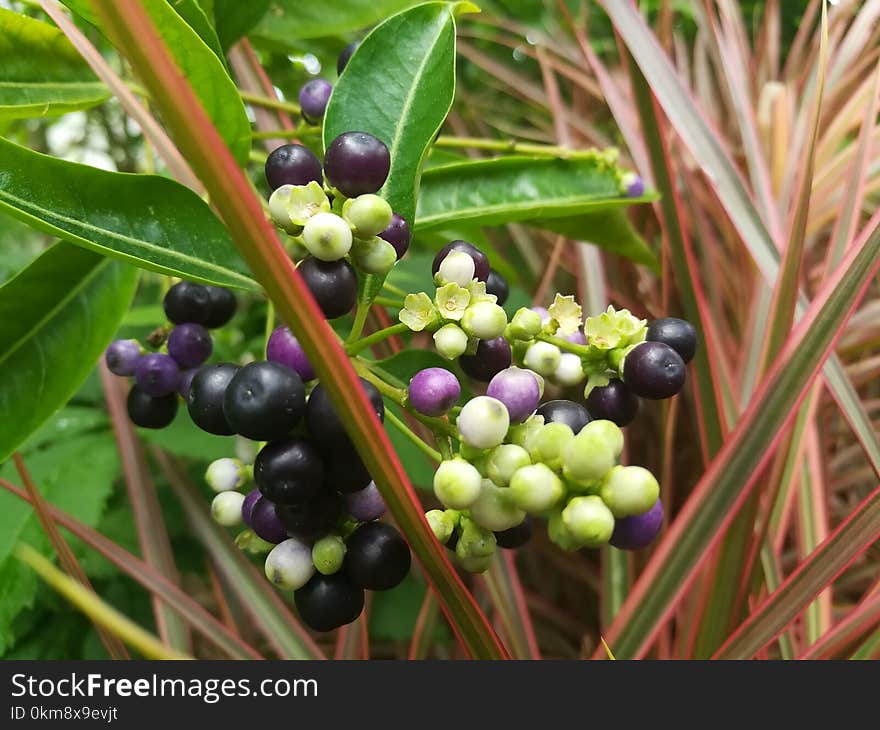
x,y
476,564
289,565
588,520
608,431
226,474
504,460
442,523
327,236
328,554
484,320
368,215
450,341
525,325
291,206
547,444
535,488
587,458
483,422
543,358
519,433
457,483
570,371
278,202
374,256
629,490
559,534
474,541
456,268
494,508
226,508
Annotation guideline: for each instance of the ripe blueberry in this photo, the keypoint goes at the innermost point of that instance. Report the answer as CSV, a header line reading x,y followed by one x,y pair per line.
x,y
356,163
613,402
679,334
205,399
333,284
149,411
378,558
289,471
292,164
491,357
654,370
264,401
481,261
572,414
327,602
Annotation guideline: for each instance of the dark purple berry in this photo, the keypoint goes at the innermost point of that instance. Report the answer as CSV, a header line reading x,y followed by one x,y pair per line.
x,y
149,411
223,306
292,164
613,402
365,505
313,519
205,399
266,523
186,378
313,98
283,347
157,374
247,507
654,370
121,357
333,284
398,235
481,261
345,55
344,470
497,285
515,537
377,557
264,401
189,344
327,602
187,301
679,334
289,471
433,391
632,533
324,423
572,414
491,357
356,163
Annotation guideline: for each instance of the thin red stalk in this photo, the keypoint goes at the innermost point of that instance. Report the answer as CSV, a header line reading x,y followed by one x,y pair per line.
x,y
425,623
860,621
258,243
516,589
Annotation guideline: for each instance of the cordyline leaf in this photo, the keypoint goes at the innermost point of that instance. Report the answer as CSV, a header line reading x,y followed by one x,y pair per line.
x,y
727,482
258,243
41,73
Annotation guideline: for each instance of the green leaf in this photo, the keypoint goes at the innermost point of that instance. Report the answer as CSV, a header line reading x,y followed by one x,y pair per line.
x,y
150,221
56,317
41,73
200,64
292,20
234,18
401,97
194,16
517,188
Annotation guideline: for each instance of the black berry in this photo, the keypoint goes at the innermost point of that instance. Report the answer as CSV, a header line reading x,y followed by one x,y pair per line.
x,y
377,558
324,423
205,399
344,470
187,301
264,401
292,164
327,602
481,261
397,233
148,411
497,285
491,357
515,537
654,370
679,334
333,284
223,305
613,402
572,414
289,471
356,163
312,520
345,55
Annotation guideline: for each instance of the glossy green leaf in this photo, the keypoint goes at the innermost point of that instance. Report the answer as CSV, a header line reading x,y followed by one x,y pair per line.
x,y
401,97
291,20
234,18
201,66
56,316
150,221
194,16
41,74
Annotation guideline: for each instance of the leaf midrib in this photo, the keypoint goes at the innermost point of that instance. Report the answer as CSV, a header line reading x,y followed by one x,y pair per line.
x,y
568,201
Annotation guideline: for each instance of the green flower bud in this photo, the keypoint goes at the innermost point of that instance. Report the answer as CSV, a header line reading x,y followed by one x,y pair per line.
x,y
543,358
570,370
484,320
587,458
483,422
535,488
226,474
289,565
494,508
525,325
588,521
450,341
226,508
504,460
328,554
374,256
368,215
546,445
559,534
629,491
327,236
457,483
474,541
442,523
608,431
456,268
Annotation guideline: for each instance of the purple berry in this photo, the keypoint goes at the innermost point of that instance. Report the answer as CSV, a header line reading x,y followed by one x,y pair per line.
x,y
190,344
654,370
577,338
679,334
265,522
491,357
247,507
636,187
638,531
283,347
357,163
186,379
398,235
518,390
121,357
365,505
292,164
313,98
544,314
157,374
613,402
345,55
433,391
481,261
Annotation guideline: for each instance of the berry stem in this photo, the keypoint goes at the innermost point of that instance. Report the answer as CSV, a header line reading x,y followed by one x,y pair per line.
x,y
565,345
268,103
512,146
270,319
360,319
389,302
412,436
357,345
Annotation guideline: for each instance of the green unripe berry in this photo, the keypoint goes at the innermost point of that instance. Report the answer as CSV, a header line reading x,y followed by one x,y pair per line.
x,y
559,534
570,370
457,483
456,268
543,358
494,508
226,508
328,554
504,460
289,565
519,433
474,541
291,206
609,432
476,564
484,320
629,491
535,488
451,341
374,256
327,236
588,521
483,422
368,215
525,325
442,523
547,444
587,457
226,474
